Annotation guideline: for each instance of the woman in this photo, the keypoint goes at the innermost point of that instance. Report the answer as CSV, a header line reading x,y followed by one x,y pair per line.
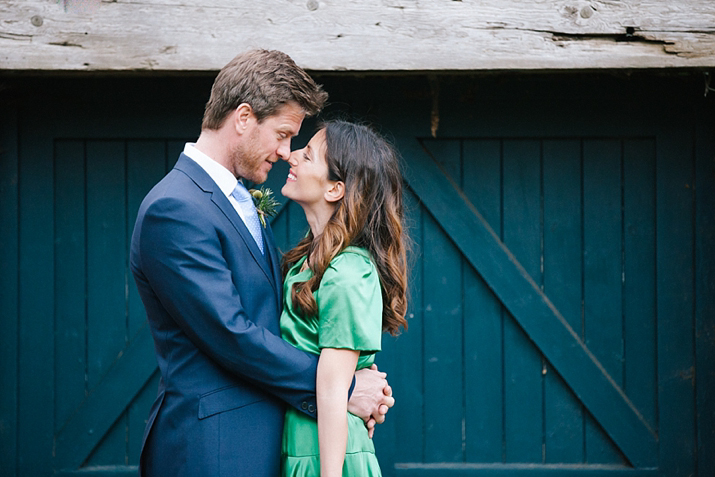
x,y
344,284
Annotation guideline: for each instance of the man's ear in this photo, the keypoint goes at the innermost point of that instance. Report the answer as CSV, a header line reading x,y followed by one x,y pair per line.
x,y
242,117
336,192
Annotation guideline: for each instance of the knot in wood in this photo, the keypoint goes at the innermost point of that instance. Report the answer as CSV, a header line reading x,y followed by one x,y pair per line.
x,y
312,5
587,12
36,20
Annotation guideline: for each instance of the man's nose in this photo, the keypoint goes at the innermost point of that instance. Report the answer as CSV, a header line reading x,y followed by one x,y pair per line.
x,y
284,151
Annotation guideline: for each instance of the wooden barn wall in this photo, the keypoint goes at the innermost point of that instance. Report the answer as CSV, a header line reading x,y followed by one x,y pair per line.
x,y
635,150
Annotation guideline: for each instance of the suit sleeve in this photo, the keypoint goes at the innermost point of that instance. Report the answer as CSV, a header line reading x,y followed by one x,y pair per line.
x,y
180,256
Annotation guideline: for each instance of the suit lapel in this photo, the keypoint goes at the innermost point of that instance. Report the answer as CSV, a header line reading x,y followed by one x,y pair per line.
x,y
274,259
204,181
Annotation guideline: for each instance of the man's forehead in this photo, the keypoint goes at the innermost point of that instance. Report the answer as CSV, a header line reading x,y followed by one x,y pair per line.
x,y
289,125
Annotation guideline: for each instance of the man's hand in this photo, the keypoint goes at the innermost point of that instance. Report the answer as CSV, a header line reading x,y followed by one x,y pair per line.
x,y
371,397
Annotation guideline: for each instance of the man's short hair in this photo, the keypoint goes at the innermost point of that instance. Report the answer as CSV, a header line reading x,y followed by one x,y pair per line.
x,y
266,80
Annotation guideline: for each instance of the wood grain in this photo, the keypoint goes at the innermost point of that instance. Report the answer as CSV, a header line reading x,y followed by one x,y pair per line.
x,y
373,35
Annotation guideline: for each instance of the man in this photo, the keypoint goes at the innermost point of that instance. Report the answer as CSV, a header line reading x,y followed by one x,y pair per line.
x,y
209,278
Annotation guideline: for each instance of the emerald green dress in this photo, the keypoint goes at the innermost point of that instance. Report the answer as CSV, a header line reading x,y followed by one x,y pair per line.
x,y
349,302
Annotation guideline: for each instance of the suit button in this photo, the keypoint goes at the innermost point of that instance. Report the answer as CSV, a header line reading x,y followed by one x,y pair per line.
x,y
304,406
311,408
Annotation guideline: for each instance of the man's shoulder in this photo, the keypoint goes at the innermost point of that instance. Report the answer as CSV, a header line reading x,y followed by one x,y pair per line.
x,y
174,193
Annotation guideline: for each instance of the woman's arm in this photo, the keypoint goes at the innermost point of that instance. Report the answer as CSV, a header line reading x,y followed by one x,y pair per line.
x,y
335,372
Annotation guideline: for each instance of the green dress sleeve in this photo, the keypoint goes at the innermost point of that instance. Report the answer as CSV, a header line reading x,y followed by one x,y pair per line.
x,y
350,304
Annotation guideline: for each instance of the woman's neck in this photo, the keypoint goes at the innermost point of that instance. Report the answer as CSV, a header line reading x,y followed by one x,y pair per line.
x,y
318,216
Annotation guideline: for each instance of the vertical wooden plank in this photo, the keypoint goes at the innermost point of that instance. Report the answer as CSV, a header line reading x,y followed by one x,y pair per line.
x,y
386,436
70,279
675,281
138,416
388,360
442,295
106,271
563,412
279,225
639,309
174,149
9,247
408,377
36,297
705,286
146,165
484,429
522,361
602,269
297,224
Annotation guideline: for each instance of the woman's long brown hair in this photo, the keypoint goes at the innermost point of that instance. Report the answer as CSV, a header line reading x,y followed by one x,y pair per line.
x,y
370,216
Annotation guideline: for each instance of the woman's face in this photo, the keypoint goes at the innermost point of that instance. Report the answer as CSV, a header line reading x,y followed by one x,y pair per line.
x,y
308,180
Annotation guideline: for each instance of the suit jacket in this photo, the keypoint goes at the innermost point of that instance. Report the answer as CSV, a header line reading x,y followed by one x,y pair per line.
x,y
213,303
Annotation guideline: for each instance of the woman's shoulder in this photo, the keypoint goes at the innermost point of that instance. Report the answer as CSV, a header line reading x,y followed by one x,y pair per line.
x,y
352,257
352,265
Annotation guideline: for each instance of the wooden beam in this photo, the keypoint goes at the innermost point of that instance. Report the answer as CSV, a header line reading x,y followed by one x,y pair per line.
x,y
531,308
371,35
78,437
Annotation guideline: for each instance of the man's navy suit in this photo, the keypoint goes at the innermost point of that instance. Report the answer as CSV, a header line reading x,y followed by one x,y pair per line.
x,y
213,302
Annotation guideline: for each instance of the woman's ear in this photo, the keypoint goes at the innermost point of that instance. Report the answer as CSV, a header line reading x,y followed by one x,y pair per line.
x,y
242,117
336,192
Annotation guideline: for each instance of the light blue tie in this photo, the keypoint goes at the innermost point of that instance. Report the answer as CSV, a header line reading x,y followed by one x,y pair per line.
x,y
245,202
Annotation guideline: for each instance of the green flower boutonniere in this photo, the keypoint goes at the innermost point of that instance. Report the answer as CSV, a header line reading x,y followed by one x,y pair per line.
x,y
266,204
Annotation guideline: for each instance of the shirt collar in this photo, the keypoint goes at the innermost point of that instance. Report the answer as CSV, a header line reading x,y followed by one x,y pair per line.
x,y
220,175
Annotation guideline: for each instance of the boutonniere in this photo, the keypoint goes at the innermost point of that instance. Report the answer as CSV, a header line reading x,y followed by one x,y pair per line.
x,y
266,204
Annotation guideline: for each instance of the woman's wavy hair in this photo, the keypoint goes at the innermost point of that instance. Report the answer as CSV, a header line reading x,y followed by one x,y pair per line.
x,y
370,216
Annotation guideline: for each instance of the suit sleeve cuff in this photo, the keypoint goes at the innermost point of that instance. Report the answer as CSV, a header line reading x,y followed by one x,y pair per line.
x,y
352,387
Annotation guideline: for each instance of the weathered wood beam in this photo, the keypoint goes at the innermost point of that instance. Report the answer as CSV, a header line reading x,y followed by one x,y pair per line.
x,y
370,35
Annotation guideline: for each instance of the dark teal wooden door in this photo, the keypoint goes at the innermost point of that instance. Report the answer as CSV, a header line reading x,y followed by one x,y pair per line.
x,y
520,296
554,312
561,307
82,358
103,352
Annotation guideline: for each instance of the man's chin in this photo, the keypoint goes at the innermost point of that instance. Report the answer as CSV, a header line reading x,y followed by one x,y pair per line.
x,y
263,175
257,177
